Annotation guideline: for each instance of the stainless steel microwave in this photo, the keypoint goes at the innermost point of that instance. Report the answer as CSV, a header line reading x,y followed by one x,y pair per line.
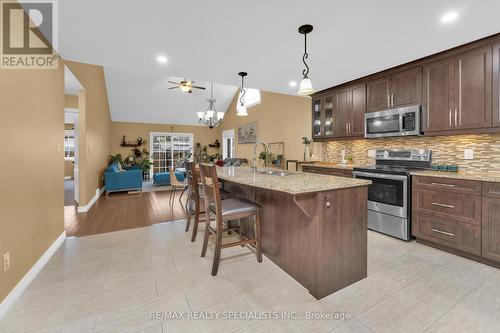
x,y
395,122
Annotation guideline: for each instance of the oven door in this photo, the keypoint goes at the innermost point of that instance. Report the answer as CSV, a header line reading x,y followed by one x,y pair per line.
x,y
387,194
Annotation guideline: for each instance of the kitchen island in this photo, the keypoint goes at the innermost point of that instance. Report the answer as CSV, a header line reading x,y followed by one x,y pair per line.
x,y
313,226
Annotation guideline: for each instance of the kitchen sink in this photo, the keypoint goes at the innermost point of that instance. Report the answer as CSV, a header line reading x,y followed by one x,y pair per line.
x,y
271,172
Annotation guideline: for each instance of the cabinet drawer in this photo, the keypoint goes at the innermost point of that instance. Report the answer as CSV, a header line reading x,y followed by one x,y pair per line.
x,y
327,171
491,190
447,232
461,207
448,184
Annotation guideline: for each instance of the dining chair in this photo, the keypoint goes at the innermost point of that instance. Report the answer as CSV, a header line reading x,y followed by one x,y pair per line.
x,y
176,184
223,212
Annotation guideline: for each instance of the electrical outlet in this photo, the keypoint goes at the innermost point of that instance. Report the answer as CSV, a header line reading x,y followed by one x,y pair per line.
x,y
6,261
469,154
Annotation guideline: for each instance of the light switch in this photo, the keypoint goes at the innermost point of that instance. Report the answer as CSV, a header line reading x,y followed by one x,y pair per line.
x,y
58,148
372,153
469,154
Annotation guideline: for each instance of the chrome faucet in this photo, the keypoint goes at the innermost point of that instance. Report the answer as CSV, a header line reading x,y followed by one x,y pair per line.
x,y
266,147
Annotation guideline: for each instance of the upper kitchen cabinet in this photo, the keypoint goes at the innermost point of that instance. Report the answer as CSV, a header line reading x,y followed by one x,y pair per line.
x,y
496,85
350,105
317,117
473,89
399,89
438,95
458,92
323,116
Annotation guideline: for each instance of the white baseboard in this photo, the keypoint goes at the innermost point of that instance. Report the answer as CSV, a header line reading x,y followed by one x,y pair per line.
x,y
86,208
18,290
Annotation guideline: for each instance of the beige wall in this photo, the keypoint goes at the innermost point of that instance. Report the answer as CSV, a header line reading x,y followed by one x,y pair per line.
x,y
71,101
279,118
201,134
32,190
94,127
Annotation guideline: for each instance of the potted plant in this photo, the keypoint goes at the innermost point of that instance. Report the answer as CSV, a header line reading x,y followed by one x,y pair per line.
x,y
307,151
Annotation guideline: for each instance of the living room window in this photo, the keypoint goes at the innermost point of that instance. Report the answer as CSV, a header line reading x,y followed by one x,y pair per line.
x,y
169,149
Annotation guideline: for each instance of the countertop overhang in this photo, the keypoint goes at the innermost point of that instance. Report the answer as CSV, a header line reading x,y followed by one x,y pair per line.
x,y
293,183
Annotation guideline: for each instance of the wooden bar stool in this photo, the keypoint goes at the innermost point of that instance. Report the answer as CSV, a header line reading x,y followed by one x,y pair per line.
x,y
225,211
195,204
176,184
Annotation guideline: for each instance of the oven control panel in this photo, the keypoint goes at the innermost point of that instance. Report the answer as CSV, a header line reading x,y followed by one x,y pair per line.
x,y
404,155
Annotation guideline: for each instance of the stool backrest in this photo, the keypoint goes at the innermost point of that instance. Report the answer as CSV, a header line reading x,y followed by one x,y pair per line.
x,y
173,178
192,181
210,183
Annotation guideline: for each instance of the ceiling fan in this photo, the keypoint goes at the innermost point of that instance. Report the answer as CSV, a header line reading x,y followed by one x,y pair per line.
x,y
185,86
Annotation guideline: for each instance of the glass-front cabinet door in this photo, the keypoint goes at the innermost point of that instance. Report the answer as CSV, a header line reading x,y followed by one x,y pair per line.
x,y
328,122
317,112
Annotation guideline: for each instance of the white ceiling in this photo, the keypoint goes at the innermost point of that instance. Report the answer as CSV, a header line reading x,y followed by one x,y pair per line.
x,y
215,39
71,84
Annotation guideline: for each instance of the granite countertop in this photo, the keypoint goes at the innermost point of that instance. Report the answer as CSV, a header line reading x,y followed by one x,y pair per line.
x,y
478,175
293,183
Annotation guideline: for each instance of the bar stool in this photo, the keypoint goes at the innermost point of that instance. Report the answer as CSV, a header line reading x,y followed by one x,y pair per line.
x,y
176,184
195,204
225,211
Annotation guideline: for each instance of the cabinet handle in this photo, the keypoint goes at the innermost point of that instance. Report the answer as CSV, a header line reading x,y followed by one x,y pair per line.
x,y
346,128
328,201
349,127
456,118
449,117
388,99
442,205
443,232
392,99
439,184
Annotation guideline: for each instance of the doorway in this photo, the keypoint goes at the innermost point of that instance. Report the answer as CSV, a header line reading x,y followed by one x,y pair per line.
x,y
228,144
71,170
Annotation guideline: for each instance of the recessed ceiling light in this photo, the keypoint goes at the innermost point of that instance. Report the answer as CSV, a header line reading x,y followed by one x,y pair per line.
x,y
449,17
292,84
162,59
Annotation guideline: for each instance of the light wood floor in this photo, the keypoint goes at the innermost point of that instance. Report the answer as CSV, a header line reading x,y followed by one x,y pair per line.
x,y
120,211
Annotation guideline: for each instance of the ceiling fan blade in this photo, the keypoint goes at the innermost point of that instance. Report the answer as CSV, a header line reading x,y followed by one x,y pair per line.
x,y
173,82
198,87
173,87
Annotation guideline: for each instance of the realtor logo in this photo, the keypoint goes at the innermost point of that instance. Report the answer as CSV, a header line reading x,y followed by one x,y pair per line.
x,y
28,34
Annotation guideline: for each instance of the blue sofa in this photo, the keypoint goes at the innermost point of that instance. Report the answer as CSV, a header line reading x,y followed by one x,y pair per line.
x,y
163,178
116,180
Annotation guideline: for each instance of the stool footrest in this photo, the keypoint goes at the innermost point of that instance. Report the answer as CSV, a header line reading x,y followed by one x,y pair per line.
x,y
243,242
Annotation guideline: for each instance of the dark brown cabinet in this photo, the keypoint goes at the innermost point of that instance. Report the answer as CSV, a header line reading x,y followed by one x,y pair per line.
x,y
458,92
491,221
339,113
399,89
496,85
457,214
323,117
350,105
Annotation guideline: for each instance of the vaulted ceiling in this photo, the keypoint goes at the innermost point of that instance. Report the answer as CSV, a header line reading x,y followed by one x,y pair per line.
x,y
212,40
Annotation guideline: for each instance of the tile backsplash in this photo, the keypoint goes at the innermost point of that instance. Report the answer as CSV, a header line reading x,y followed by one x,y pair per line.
x,y
445,149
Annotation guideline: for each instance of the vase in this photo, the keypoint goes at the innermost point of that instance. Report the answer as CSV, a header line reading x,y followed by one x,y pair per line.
x,y
307,152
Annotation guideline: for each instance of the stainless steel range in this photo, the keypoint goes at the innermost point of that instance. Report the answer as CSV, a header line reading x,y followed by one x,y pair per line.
x,y
389,195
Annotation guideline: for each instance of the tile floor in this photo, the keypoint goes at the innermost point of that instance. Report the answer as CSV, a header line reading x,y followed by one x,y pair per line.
x,y
112,282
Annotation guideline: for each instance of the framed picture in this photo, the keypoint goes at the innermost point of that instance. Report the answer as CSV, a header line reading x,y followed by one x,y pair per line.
x,y
247,133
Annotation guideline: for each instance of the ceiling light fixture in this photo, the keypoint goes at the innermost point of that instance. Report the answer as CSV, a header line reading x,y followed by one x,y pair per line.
x,y
211,117
449,17
305,88
241,110
162,59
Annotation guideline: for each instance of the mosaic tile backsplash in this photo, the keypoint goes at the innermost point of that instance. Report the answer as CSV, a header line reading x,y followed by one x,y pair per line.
x,y
445,149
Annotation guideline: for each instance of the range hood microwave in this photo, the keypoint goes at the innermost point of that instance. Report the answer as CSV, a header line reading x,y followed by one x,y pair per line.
x,y
403,121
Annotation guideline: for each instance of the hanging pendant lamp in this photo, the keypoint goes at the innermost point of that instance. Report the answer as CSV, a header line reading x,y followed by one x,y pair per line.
x,y
305,88
241,110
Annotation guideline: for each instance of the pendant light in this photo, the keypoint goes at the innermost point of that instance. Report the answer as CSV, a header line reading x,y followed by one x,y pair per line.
x,y
305,88
241,110
210,117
